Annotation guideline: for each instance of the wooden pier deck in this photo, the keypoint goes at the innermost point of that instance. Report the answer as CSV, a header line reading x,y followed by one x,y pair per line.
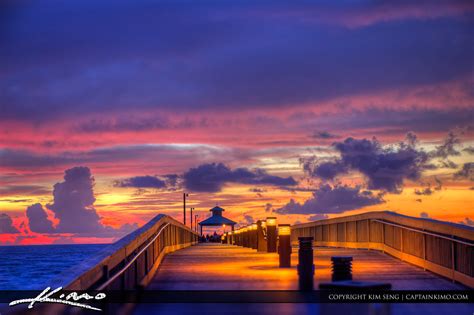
x,y
227,267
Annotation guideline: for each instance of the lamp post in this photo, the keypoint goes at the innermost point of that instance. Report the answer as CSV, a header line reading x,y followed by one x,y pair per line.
x,y
184,207
191,217
196,222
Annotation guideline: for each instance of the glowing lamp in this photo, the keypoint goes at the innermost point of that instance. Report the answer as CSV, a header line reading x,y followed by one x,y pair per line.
x,y
271,221
284,229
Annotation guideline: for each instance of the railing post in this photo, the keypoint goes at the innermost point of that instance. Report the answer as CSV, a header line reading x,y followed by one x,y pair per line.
x,y
424,251
368,233
383,237
345,232
401,240
453,260
105,273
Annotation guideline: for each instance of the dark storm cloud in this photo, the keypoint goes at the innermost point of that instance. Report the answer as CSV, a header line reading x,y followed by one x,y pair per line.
x,y
213,176
38,219
332,199
6,224
384,168
81,57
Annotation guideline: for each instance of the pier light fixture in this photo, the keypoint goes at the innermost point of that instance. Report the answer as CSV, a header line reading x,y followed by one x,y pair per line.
x,y
271,221
284,229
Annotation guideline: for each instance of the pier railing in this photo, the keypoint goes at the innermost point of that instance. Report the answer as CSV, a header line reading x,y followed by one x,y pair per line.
x,y
132,261
444,248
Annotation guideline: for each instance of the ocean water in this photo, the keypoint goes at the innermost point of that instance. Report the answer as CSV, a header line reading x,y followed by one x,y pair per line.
x,y
30,267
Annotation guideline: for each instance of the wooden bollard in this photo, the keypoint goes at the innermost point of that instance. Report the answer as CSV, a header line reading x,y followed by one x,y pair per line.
x,y
284,245
305,263
271,235
261,238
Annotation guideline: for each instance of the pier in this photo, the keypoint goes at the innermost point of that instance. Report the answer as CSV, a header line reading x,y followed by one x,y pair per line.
x,y
406,253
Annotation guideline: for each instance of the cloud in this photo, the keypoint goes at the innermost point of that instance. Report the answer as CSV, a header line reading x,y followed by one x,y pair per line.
x,y
467,221
384,168
142,182
426,191
73,202
258,64
213,176
257,190
425,215
332,199
29,159
28,190
268,207
318,216
248,219
73,206
6,225
324,170
469,150
466,172
448,148
38,219
324,135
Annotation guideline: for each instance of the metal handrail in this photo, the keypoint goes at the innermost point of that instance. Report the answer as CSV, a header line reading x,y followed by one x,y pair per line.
x,y
121,271
424,232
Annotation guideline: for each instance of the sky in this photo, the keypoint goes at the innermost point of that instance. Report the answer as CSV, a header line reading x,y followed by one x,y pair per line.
x,y
110,110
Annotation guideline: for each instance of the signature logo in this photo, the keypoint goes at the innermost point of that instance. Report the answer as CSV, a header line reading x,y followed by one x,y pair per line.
x,y
72,299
